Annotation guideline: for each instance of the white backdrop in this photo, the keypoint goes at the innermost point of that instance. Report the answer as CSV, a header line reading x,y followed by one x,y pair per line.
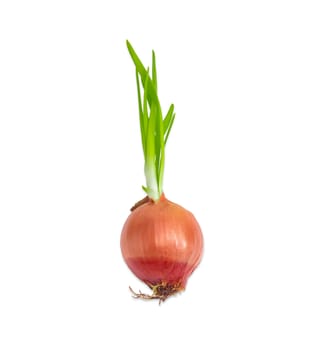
x,y
242,156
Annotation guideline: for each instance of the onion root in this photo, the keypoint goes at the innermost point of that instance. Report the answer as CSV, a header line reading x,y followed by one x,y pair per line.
x,y
160,291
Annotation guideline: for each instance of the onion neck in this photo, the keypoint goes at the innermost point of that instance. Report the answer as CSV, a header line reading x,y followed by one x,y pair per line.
x,y
146,200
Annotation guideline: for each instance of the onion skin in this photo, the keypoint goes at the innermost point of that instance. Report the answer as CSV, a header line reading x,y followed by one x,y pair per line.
x,y
162,244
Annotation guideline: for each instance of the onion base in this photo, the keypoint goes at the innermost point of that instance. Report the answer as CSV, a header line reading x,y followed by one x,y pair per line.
x,y
160,291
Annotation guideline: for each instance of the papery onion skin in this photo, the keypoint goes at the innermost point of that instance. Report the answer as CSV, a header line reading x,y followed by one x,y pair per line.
x,y
162,244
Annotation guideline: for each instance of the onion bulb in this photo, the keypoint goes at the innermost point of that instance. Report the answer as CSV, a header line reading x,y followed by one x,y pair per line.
x,y
161,242
162,245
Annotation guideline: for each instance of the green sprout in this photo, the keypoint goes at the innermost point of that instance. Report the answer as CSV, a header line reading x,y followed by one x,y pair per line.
x,y
154,128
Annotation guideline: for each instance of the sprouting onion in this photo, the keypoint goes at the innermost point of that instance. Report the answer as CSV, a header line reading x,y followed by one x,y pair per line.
x,y
161,242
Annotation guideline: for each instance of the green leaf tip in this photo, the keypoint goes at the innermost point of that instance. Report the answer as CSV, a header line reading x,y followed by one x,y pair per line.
x,y
154,128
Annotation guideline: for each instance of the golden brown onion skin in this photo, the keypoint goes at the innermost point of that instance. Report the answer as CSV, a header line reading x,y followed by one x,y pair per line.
x,y
162,243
